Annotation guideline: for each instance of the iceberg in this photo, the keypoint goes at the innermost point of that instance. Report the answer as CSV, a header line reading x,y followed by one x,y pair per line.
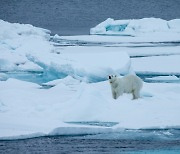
x,y
135,27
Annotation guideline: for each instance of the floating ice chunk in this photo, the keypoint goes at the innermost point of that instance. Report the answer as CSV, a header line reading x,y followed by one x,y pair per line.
x,y
110,25
135,26
165,78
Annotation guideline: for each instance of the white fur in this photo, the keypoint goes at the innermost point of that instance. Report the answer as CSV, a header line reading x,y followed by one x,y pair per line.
x,y
127,84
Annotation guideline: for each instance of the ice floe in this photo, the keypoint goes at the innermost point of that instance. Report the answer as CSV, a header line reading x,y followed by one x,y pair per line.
x,y
27,109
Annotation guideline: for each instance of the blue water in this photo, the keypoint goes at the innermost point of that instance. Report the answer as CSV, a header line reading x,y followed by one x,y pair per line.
x,y
73,17
128,141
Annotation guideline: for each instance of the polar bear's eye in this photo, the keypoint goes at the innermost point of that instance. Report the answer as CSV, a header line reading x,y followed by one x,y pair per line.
x,y
109,77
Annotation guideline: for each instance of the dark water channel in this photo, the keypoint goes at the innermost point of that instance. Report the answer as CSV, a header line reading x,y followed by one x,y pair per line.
x,y
148,141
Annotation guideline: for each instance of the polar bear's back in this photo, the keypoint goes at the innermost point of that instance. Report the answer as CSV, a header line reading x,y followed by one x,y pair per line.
x,y
132,82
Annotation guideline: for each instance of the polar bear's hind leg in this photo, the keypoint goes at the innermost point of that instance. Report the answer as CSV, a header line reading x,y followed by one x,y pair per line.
x,y
136,94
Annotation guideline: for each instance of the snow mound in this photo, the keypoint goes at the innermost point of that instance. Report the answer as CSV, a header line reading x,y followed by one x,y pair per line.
x,y
16,30
134,27
16,41
67,80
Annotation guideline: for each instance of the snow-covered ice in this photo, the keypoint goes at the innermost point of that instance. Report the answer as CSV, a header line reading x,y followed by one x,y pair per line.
x,y
157,65
27,109
29,49
78,88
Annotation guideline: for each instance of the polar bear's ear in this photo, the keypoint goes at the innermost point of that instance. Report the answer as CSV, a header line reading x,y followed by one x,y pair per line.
x,y
109,77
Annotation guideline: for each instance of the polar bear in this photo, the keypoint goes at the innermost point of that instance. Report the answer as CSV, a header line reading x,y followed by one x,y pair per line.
x,y
127,84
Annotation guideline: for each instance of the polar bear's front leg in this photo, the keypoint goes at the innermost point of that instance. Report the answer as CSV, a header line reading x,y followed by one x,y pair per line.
x,y
119,92
114,95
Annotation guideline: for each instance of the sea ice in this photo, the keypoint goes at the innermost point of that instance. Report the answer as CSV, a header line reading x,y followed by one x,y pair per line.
x,y
164,65
28,110
27,48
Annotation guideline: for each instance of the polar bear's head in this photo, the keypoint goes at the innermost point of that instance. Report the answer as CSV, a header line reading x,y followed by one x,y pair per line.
x,y
112,78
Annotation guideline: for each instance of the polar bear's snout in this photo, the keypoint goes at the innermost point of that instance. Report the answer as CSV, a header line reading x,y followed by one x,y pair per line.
x,y
112,78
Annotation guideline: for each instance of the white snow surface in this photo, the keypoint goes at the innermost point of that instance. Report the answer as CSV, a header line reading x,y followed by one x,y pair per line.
x,y
26,110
